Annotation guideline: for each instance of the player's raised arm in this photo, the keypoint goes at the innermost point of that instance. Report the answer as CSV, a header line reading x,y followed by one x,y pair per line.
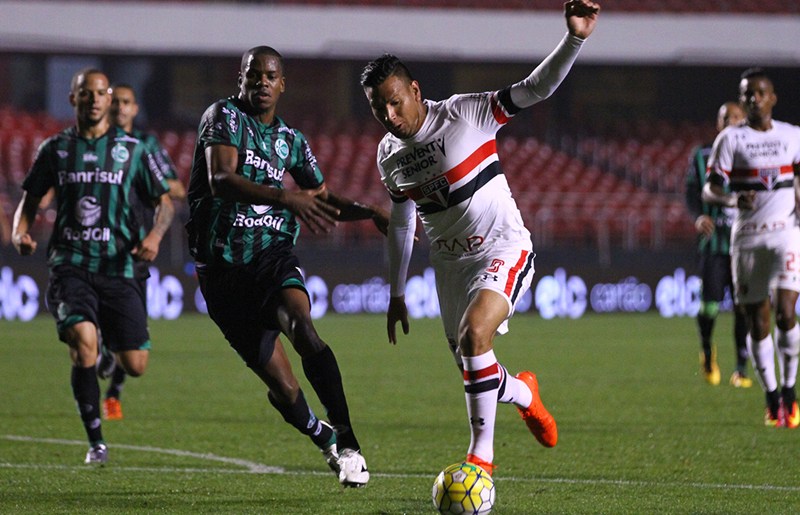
x,y
581,17
542,82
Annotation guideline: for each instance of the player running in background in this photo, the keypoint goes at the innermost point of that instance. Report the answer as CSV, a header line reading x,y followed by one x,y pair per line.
x,y
760,160
98,173
439,160
242,229
713,226
124,109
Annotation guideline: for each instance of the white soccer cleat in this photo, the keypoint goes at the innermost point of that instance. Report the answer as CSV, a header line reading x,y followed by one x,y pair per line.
x,y
331,458
352,469
97,454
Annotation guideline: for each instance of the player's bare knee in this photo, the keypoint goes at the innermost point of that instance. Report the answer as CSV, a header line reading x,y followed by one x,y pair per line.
x,y
136,370
474,339
134,366
307,342
785,318
760,329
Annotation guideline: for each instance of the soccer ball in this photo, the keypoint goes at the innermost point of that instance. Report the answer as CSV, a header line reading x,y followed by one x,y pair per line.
x,y
463,488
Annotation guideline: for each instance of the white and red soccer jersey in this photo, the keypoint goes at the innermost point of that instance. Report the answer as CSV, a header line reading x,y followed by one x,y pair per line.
x,y
450,168
763,161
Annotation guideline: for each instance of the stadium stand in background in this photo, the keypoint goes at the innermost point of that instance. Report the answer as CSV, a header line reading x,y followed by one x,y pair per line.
x,y
619,186
621,190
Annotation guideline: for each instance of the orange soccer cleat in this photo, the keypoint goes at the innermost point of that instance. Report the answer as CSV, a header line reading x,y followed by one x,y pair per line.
x,y
485,465
792,416
773,420
112,409
539,421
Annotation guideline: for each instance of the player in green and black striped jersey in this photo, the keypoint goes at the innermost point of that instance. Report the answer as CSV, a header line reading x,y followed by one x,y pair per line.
x,y
124,109
713,225
242,229
99,174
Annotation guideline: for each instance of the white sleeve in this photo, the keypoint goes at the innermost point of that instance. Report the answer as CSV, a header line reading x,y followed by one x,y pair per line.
x,y
544,80
402,227
720,160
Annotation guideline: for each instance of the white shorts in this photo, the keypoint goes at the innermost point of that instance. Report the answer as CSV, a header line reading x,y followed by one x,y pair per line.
x,y
759,270
506,270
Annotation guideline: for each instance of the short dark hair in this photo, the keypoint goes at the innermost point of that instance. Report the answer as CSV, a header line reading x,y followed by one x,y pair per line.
x,y
261,50
753,72
124,85
377,71
80,75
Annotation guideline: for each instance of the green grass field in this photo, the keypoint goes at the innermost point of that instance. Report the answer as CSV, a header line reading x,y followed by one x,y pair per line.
x,y
639,430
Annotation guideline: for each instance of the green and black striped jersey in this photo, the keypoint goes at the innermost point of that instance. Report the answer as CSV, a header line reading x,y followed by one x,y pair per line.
x,y
98,185
161,156
231,233
719,241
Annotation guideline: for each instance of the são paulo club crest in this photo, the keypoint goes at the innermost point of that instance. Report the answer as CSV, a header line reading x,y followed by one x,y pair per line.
x,y
769,176
437,190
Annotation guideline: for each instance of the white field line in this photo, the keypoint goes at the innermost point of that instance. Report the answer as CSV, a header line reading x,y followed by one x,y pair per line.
x,y
249,467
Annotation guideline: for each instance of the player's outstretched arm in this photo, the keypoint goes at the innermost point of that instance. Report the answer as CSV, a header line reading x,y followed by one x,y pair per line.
x,y
716,195
350,210
544,80
24,217
225,183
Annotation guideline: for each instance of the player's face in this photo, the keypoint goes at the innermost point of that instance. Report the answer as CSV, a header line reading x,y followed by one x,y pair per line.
x,y
91,99
397,104
261,83
757,96
123,107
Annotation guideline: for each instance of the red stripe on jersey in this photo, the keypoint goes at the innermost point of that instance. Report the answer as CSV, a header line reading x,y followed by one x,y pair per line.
x,y
512,274
744,173
474,375
459,171
498,112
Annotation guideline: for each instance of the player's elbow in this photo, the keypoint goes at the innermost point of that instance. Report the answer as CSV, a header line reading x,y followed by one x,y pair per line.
x,y
221,184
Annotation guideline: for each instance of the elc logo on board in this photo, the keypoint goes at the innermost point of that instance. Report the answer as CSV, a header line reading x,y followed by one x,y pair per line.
x,y
19,297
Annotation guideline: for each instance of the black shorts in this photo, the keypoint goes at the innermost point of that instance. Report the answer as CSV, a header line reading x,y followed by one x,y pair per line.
x,y
116,305
715,271
241,300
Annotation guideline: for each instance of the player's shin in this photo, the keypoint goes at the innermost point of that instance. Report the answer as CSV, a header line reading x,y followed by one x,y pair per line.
x,y
300,415
481,384
788,344
86,391
322,371
762,353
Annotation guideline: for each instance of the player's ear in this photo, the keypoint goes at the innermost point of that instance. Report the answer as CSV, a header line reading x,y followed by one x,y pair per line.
x,y
416,90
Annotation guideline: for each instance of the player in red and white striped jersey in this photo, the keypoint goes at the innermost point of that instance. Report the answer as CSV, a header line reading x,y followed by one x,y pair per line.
x,y
439,160
760,160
